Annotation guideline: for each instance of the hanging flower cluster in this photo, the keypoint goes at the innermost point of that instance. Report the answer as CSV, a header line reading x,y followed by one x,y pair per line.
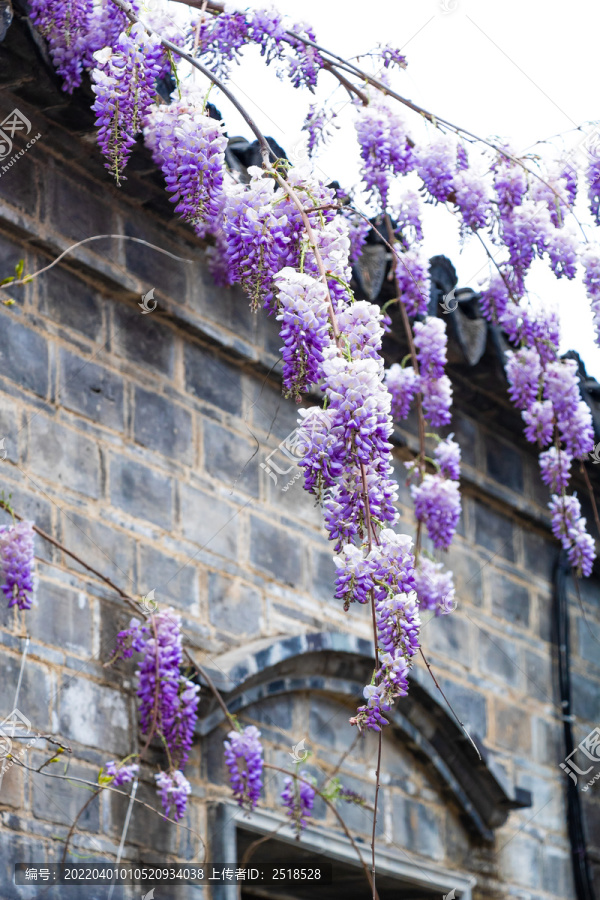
x,y
65,24
190,147
16,557
168,702
244,759
124,84
390,569
298,796
385,147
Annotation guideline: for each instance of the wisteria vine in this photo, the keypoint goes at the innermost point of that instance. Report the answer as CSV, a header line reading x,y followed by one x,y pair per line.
x,y
289,241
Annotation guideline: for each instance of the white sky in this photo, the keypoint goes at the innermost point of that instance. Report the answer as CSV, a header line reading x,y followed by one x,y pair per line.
x,y
525,70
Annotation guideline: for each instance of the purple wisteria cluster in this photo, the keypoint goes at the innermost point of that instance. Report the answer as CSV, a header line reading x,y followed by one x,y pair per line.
x,y
168,702
16,557
385,147
125,88
431,342
64,23
546,390
304,318
118,774
390,569
244,759
590,260
190,147
298,796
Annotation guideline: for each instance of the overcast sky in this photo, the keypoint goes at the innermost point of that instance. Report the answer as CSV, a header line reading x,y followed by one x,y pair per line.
x,y
522,71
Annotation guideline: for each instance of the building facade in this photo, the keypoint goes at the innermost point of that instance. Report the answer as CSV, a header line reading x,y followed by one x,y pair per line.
x,y
155,446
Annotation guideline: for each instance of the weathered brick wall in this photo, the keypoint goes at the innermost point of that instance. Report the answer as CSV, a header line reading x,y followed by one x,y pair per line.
x,y
136,440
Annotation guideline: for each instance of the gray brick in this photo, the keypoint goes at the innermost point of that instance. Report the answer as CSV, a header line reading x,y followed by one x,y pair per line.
x,y
16,848
209,522
9,429
498,657
540,555
470,706
269,410
105,548
62,617
540,677
521,861
23,355
494,531
504,464
548,742
143,340
357,818
71,302
175,581
64,456
323,576
465,434
91,390
60,801
417,827
13,777
328,724
274,712
18,186
586,698
276,552
163,426
213,379
10,255
557,873
509,599
231,458
34,694
233,606
513,729
93,715
77,213
587,641
468,575
141,492
155,268
450,635
34,507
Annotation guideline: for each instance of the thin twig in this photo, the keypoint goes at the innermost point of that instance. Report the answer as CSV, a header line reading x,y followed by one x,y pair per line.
x,y
114,790
450,707
96,237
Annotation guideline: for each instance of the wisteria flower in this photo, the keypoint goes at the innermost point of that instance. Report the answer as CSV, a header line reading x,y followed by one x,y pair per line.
x,y
16,555
244,758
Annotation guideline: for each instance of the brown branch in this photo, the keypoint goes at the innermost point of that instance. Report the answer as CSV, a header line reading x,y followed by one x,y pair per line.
x,y
450,707
76,819
351,88
336,62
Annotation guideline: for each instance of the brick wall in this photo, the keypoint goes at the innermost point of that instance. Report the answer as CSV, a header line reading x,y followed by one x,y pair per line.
x,y
136,440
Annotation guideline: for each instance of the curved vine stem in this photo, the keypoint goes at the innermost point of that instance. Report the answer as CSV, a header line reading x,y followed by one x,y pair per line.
x,y
335,62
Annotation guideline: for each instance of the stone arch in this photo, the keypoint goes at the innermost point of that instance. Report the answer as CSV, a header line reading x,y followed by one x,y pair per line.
x,y
339,664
